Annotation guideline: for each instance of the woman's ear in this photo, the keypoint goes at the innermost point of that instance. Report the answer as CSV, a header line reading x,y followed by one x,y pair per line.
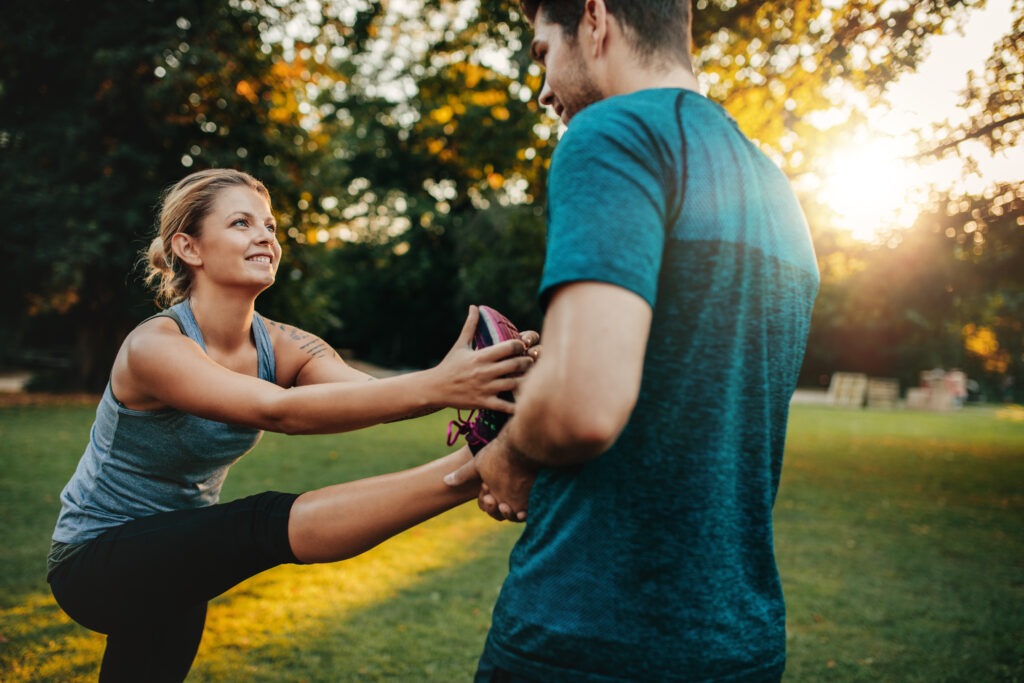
x,y
184,248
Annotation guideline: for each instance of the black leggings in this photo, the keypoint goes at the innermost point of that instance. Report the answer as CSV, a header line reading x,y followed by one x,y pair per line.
x,y
146,583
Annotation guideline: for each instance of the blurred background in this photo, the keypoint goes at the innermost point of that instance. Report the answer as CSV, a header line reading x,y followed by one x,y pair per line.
x,y
406,156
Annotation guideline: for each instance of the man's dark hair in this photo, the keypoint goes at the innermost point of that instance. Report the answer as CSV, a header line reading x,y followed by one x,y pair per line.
x,y
655,28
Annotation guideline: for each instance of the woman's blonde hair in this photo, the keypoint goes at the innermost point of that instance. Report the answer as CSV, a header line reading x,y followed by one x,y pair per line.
x,y
183,207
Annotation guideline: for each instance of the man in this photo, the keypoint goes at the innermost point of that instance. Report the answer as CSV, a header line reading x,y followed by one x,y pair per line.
x,y
677,290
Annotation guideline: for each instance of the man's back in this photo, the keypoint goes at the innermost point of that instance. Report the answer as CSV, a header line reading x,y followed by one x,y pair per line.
x,y
654,561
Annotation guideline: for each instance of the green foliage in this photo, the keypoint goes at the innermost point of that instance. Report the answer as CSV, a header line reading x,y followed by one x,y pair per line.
x,y
100,111
406,154
500,258
395,299
433,141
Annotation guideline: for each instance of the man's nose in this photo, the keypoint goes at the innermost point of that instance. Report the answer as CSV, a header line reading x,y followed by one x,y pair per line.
x,y
547,97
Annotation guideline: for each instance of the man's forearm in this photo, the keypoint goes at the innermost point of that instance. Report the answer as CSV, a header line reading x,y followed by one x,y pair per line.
x,y
543,433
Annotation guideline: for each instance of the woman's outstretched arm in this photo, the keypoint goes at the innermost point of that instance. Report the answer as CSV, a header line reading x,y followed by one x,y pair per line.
x,y
158,368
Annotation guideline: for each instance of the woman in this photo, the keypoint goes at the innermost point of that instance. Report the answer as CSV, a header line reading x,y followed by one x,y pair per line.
x,y
141,544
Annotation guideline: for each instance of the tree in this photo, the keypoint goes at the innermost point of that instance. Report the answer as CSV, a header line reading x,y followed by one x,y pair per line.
x,y
97,116
947,292
437,134
985,231
776,66
992,99
406,152
461,141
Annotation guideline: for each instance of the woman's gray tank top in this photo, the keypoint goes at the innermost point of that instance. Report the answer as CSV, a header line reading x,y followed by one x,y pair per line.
x,y
141,462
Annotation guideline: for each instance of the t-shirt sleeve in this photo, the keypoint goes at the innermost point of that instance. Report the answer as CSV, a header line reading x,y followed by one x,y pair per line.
x,y
607,205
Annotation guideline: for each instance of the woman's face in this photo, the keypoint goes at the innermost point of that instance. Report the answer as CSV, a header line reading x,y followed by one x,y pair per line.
x,y
237,242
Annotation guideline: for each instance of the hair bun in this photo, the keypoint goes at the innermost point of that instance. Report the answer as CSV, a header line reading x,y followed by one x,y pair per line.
x,y
157,256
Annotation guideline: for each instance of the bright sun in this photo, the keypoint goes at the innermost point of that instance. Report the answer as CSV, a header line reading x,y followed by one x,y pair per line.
x,y
871,189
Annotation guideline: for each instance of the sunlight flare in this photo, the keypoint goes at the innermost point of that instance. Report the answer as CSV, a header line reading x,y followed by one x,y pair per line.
x,y
871,188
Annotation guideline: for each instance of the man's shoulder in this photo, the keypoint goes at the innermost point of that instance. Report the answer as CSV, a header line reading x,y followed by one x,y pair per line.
x,y
646,114
665,100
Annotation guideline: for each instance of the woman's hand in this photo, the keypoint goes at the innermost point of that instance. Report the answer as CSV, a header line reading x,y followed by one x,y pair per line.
x,y
507,480
532,341
468,378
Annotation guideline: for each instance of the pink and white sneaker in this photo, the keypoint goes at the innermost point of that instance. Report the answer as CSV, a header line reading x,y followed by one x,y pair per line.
x,y
492,328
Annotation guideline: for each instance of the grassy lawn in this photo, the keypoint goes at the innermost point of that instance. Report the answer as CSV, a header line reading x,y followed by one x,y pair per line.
x,y
900,538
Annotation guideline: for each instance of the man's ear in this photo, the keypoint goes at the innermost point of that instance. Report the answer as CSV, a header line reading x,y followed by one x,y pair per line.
x,y
594,26
184,248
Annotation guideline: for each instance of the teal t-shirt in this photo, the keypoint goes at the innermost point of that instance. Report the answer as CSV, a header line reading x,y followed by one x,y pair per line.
x,y
655,561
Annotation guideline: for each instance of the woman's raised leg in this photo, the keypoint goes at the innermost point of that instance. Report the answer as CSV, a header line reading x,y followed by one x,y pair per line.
x,y
344,520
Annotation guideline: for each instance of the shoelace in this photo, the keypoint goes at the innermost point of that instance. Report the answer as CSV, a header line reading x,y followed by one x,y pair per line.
x,y
461,426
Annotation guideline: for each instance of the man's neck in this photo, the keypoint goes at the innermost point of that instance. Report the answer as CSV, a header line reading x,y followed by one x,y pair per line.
x,y
631,78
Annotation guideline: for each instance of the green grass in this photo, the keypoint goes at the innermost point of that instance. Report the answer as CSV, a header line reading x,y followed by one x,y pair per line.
x,y
900,538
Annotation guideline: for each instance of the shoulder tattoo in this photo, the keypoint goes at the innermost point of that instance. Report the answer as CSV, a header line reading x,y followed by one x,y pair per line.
x,y
313,346
317,348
